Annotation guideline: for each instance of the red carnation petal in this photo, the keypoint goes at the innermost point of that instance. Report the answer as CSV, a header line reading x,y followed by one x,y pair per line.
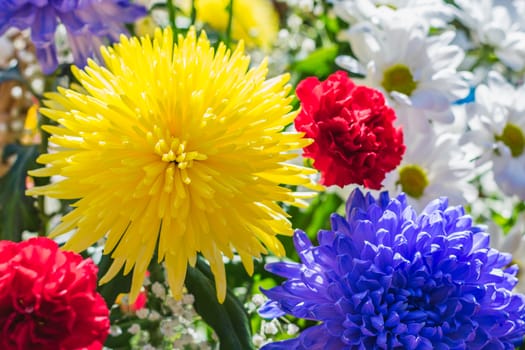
x,y
355,140
48,298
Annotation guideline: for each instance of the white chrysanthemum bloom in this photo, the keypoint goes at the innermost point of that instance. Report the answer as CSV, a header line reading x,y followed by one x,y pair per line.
x,y
514,243
496,24
459,125
497,128
416,72
435,12
433,166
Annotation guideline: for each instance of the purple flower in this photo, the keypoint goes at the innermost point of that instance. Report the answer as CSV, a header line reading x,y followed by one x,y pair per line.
x,y
387,278
88,24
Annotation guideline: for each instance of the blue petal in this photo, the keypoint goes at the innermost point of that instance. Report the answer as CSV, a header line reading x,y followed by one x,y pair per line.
x,y
271,309
47,58
65,5
43,27
290,344
301,241
284,269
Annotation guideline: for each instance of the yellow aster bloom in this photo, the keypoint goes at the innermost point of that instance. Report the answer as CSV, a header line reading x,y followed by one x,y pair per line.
x,y
256,22
175,144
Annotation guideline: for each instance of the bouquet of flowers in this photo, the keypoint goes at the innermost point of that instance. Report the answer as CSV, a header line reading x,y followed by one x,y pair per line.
x,y
258,174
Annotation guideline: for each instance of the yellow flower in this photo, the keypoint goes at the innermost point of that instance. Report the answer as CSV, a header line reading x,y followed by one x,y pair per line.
x,y
176,145
256,22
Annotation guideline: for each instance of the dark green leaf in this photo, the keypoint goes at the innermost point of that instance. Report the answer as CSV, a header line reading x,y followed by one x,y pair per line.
x,y
229,319
119,284
17,211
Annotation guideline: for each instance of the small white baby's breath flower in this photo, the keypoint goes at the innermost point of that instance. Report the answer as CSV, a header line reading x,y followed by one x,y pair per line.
x,y
291,329
154,315
258,299
158,290
134,329
258,340
142,313
271,327
188,299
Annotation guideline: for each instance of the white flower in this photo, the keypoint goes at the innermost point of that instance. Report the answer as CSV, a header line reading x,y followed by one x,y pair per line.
x,y
142,313
188,299
497,129
154,315
514,243
433,166
416,72
167,327
258,299
7,50
158,290
115,331
291,329
270,327
134,329
258,340
435,12
497,24
175,306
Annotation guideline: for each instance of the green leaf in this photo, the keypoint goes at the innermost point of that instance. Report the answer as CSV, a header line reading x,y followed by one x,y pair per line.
x,y
119,284
17,211
319,63
317,215
331,24
229,319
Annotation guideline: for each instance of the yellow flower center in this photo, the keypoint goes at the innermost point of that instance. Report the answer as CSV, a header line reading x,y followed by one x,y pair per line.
x,y
188,139
413,180
172,150
399,78
513,137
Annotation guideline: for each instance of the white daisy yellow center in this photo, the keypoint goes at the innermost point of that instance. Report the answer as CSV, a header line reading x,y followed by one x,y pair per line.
x,y
512,136
413,180
399,78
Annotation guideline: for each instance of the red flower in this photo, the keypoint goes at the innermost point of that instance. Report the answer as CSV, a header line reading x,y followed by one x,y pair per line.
x,y
355,140
48,299
126,307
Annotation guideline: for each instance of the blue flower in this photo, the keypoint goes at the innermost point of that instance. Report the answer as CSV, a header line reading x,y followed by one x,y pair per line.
x,y
88,24
387,278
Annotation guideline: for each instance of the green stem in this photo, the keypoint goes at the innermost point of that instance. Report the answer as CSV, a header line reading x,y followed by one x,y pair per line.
x,y
485,56
193,13
172,14
228,38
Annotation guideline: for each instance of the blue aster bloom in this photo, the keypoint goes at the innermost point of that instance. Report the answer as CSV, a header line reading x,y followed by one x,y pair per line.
x,y
89,23
387,278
